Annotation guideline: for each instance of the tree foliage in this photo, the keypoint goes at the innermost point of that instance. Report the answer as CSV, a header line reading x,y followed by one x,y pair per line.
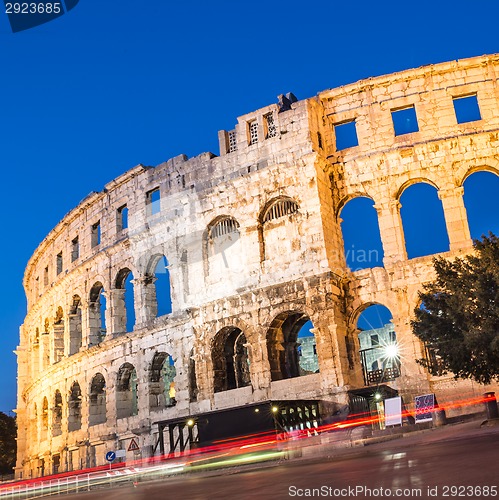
x,y
459,317
8,430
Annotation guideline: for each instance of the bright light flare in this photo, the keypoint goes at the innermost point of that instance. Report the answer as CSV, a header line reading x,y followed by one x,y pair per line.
x,y
391,351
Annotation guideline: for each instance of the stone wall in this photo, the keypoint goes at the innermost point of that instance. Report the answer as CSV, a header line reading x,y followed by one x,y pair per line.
x,y
253,244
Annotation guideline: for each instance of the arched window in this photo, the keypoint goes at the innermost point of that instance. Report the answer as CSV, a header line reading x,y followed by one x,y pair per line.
x,y
97,314
223,246
74,408
45,419
125,313
126,392
278,231
58,344
230,360
162,286
280,208
193,385
379,351
57,414
291,346
75,331
162,381
423,221
46,344
361,236
481,199
97,400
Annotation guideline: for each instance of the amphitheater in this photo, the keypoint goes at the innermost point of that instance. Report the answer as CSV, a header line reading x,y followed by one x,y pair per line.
x,y
183,289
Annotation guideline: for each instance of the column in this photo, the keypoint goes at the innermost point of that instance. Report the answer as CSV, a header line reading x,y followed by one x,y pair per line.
x,y
391,231
116,311
456,218
146,306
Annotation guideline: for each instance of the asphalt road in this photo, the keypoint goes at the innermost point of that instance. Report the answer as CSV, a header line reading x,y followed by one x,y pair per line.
x,y
460,467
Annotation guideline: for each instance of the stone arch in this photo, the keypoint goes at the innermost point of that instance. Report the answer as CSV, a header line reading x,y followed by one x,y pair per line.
x,y
125,315
45,344
44,427
58,333
422,214
481,200
347,199
230,359
278,207
57,414
74,407
193,384
361,235
378,347
273,212
158,287
75,325
96,314
97,400
411,182
464,170
222,246
284,348
162,381
126,391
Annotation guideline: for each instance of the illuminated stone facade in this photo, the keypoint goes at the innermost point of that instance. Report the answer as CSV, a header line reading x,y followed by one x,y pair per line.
x,y
254,250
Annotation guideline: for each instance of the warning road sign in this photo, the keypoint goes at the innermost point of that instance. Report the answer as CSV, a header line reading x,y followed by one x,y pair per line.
x,y
133,445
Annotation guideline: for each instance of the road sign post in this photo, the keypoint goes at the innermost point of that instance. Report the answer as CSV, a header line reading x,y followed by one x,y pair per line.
x,y
110,457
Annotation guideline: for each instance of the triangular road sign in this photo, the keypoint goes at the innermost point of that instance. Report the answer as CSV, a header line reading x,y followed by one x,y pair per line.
x,y
133,445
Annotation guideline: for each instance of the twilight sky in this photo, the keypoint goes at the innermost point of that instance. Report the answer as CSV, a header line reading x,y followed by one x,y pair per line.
x,y
114,83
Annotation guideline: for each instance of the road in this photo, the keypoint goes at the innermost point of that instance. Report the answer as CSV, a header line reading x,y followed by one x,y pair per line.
x,y
405,468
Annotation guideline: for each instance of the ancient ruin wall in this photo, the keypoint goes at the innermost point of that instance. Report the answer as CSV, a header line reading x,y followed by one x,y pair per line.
x,y
442,153
284,156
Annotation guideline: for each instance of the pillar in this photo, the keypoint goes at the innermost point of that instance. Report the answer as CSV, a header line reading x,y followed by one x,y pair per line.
x,y
456,218
391,231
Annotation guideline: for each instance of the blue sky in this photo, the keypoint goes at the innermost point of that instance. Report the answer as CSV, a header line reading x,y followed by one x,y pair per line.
x,y
115,83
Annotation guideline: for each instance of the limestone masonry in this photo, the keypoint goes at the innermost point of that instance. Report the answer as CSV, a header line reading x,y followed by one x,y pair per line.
x,y
181,289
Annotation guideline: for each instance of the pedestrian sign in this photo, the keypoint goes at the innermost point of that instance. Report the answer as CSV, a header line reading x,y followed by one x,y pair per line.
x,y
133,445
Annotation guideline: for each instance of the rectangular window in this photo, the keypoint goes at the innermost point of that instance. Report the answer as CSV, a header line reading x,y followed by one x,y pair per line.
x,y
374,340
95,234
466,108
346,135
75,249
232,141
122,218
46,276
405,121
253,132
153,201
270,124
59,263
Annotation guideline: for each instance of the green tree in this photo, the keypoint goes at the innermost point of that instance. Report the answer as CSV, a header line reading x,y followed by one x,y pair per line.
x,y
459,317
8,431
